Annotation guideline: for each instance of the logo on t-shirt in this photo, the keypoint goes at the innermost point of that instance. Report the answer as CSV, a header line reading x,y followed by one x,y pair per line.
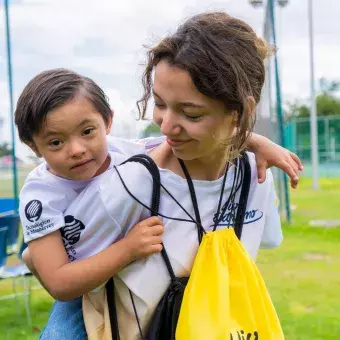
x,y
33,210
72,230
229,215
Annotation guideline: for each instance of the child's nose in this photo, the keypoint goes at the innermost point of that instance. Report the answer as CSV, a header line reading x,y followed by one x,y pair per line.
x,y
77,149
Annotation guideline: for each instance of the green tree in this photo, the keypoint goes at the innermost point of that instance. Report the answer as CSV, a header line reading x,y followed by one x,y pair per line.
x,y
327,103
5,150
296,110
328,86
151,131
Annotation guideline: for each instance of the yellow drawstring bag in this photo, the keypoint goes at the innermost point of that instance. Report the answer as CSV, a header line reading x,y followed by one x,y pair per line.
x,y
226,297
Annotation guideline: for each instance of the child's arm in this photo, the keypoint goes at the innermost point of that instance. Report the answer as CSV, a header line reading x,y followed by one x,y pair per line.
x,y
269,154
65,280
41,207
27,259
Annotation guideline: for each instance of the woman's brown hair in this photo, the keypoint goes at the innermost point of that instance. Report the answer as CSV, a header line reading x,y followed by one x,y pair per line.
x,y
225,59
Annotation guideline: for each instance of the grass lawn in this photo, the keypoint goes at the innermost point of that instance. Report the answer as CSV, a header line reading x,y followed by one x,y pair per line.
x,y
302,275
13,322
6,184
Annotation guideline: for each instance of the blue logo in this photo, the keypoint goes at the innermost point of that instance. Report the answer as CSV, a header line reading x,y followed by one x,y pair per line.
x,y
72,230
228,218
33,210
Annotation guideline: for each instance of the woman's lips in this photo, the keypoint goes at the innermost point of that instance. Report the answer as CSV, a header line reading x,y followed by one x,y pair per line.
x,y
176,142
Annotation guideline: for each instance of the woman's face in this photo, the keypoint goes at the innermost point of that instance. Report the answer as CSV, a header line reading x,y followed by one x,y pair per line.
x,y
195,125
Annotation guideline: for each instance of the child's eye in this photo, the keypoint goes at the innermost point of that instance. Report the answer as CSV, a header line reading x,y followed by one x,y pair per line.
x,y
55,143
88,131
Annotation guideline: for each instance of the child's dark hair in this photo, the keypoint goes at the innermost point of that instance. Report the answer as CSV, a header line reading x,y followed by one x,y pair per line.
x,y
51,89
225,59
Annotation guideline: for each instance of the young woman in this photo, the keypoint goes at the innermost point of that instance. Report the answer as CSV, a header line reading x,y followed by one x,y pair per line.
x,y
206,80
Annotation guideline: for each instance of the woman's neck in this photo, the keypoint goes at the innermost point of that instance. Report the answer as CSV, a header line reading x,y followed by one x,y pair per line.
x,y
208,168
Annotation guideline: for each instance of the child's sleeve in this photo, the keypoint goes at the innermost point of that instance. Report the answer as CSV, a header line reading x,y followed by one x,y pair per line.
x,y
41,209
272,233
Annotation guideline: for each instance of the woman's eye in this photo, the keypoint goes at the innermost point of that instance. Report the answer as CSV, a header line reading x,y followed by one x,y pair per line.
x,y
194,118
88,131
160,106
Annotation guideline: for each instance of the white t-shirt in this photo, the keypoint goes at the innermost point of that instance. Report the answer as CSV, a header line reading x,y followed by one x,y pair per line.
x,y
45,197
107,212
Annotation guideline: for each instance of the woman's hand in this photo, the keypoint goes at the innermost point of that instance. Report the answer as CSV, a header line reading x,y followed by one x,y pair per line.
x,y
269,154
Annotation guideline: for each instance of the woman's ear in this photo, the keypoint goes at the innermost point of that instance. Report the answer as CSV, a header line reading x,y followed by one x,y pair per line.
x,y
234,114
251,105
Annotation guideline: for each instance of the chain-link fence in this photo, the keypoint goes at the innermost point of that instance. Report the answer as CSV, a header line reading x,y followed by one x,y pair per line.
x,y
298,139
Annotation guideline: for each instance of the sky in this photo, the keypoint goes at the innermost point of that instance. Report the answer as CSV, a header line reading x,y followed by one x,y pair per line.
x,y
105,39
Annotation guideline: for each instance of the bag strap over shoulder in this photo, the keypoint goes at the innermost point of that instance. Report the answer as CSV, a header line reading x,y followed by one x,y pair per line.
x,y
155,201
242,207
149,163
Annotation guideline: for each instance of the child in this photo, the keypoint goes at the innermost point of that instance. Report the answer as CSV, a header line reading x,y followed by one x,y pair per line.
x,y
64,118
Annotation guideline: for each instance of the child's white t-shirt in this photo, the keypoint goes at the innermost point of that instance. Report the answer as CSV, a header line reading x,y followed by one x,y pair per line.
x,y
106,213
45,197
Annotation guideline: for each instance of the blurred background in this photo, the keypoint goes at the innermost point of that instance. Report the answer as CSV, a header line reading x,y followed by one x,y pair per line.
x,y
299,109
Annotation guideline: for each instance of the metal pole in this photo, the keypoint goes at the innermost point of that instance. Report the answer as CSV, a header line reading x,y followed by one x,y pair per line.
x,y
267,34
279,106
326,132
313,113
10,88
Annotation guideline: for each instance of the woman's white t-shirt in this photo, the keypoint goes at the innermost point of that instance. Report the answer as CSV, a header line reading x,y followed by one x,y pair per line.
x,y
105,212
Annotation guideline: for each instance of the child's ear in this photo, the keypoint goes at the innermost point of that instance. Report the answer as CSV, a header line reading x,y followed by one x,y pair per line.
x,y
34,148
109,124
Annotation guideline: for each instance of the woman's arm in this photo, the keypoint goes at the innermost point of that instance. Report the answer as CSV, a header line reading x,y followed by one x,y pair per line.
x,y
269,154
66,280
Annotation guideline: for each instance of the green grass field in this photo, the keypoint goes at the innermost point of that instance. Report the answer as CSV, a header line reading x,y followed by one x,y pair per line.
x,y
302,275
6,184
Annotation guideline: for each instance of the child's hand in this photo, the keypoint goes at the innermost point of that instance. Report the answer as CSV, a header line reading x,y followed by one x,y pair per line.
x,y
269,154
145,238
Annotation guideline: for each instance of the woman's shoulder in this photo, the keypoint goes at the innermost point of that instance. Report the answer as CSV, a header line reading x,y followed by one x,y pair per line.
x,y
131,147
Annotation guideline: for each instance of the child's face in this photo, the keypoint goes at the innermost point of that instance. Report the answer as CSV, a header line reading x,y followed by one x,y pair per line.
x,y
73,141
